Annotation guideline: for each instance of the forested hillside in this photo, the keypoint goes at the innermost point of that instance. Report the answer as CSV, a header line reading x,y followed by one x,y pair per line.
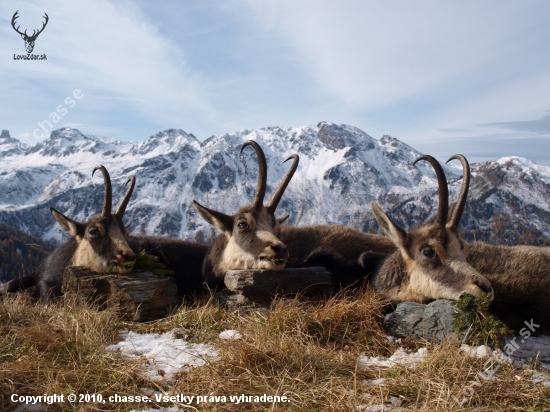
x,y
19,252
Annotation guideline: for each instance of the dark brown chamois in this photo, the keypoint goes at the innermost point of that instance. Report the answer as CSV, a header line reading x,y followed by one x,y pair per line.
x,y
430,262
183,257
336,248
520,275
97,245
249,237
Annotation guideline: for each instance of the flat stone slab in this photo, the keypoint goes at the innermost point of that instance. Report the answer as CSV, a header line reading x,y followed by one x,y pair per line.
x,y
433,322
138,296
260,284
254,289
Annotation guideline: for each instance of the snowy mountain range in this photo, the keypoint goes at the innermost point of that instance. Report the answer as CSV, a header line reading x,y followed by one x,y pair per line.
x,y
342,170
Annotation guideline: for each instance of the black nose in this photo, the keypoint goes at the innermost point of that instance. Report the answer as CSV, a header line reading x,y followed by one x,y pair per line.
x,y
281,251
484,285
127,256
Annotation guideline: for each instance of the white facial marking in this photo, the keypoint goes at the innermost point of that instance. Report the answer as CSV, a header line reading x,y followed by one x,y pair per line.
x,y
86,256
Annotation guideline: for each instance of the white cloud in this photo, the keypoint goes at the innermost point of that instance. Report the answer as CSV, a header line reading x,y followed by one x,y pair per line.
x,y
114,54
411,69
375,53
416,70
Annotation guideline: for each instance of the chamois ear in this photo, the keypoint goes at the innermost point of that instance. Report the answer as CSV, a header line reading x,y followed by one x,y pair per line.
x,y
281,220
216,219
69,225
371,260
394,232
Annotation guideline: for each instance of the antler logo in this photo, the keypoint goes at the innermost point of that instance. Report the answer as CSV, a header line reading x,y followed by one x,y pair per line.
x,y
29,40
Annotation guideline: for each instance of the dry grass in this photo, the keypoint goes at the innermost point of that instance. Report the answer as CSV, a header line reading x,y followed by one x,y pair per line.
x,y
306,350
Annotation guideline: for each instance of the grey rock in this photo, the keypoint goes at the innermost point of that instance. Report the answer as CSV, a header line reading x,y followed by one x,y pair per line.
x,y
433,322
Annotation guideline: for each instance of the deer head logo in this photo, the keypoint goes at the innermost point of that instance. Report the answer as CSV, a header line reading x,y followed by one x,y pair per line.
x,y
29,40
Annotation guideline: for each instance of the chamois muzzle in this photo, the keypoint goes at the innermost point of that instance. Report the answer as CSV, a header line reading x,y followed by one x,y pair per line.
x,y
126,256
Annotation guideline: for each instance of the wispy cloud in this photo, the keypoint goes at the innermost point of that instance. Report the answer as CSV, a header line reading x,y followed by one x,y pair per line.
x,y
539,126
453,130
489,146
114,55
425,73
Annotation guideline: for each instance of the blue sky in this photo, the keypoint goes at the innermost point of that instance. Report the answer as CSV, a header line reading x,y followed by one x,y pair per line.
x,y
470,77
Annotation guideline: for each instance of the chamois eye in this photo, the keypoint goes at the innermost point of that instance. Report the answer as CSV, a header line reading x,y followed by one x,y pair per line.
x,y
429,253
94,232
242,225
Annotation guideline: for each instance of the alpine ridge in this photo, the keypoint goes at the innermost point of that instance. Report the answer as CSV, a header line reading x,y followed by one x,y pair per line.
x,y
342,170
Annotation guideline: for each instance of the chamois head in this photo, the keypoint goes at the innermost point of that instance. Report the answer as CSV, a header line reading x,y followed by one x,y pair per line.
x,y
249,239
430,262
103,240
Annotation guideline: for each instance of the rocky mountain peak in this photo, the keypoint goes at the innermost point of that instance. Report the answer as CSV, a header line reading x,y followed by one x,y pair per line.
x,y
342,170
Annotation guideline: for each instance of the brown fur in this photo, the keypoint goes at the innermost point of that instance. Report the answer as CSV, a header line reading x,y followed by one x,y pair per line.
x,y
249,237
410,275
430,262
254,246
520,276
95,245
94,255
335,247
183,257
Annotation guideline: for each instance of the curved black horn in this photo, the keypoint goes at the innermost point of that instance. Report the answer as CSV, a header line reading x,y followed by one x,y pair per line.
x,y
262,174
443,190
272,206
461,203
108,197
122,207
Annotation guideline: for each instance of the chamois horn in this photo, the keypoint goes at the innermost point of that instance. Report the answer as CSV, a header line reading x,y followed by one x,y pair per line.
x,y
284,183
262,174
108,197
443,208
458,210
122,207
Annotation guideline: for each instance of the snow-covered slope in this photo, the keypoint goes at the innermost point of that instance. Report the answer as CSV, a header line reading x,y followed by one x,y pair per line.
x,y
342,170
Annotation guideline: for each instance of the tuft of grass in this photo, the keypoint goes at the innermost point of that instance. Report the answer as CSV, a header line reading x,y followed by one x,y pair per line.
x,y
146,262
473,317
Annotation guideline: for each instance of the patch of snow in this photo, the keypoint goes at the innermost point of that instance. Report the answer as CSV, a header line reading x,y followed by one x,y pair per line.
x,y
541,378
399,357
379,382
393,405
393,339
164,355
520,349
481,351
230,334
